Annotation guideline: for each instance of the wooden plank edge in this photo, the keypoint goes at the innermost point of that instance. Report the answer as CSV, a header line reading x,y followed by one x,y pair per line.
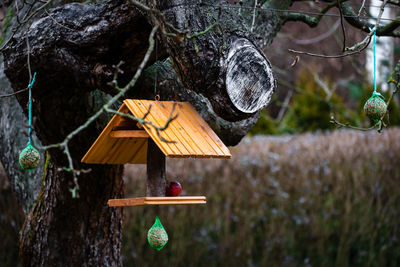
x,y
146,201
129,134
199,156
175,198
156,203
173,203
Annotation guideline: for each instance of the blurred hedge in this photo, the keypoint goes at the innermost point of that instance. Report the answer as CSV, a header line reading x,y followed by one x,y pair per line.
x,y
327,199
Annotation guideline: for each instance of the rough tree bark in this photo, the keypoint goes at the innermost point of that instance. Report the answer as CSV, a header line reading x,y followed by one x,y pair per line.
x,y
60,230
222,64
73,50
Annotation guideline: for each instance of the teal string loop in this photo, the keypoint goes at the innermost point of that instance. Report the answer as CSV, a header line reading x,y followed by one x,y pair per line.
x,y
33,80
30,108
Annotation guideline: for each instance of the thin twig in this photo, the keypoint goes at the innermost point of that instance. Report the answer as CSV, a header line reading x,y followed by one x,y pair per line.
x,y
27,17
56,22
342,25
160,17
328,56
28,60
254,16
15,93
347,125
361,8
197,34
364,43
355,49
284,106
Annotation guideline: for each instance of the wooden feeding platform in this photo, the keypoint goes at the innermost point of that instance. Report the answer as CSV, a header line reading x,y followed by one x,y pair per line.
x,y
124,141
146,201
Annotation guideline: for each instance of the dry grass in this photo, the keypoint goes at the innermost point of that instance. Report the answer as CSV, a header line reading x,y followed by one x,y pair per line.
x,y
310,200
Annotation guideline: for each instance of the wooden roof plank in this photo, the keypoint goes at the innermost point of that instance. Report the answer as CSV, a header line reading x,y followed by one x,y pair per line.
x,y
157,116
138,111
115,151
208,133
92,154
171,131
191,130
141,155
140,151
178,127
202,127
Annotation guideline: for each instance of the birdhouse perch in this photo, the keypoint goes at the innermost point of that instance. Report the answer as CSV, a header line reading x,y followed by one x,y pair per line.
x,y
124,141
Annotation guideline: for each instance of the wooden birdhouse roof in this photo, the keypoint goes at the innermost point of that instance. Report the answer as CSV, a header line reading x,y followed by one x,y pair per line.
x,y
122,141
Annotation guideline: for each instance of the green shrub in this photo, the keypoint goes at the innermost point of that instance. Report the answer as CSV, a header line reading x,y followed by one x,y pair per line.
x,y
311,109
265,125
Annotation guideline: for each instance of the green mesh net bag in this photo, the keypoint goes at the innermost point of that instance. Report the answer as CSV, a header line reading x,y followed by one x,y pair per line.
x,y
375,107
29,158
157,236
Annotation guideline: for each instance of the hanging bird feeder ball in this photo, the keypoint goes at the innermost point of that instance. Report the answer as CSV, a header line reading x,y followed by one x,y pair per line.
x,y
157,236
375,107
29,158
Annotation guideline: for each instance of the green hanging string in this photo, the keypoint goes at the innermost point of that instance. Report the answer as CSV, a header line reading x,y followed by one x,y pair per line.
x,y
30,108
375,93
29,158
374,44
375,108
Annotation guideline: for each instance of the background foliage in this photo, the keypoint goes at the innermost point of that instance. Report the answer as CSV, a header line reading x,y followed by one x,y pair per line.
x,y
328,199
311,108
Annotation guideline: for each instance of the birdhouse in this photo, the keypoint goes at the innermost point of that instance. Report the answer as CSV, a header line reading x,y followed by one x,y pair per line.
x,y
125,141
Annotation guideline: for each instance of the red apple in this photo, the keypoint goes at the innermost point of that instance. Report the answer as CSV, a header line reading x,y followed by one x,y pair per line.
x,y
174,189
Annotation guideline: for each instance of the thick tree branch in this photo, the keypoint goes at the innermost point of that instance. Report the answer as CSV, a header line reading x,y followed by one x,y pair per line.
x,y
350,16
385,30
358,47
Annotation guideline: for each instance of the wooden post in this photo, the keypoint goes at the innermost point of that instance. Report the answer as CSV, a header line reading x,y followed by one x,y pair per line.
x,y
156,181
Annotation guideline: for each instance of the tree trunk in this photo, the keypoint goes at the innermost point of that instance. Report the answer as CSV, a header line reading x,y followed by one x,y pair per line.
x,y
62,231
12,218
